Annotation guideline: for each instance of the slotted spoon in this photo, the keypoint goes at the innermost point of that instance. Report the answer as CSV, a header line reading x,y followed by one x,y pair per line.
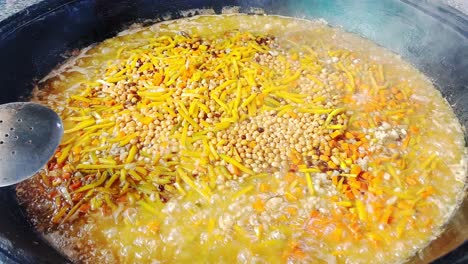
x,y
29,135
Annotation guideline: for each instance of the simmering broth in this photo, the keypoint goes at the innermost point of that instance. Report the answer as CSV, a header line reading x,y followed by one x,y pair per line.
x,y
237,138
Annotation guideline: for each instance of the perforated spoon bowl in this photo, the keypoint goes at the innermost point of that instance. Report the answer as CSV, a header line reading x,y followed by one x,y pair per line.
x,y
29,135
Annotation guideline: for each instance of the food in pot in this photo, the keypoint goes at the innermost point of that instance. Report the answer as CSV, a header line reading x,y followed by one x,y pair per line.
x,y
250,139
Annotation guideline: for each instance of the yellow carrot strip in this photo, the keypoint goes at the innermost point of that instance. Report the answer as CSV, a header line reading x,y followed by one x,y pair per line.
x,y
222,170
99,126
204,193
155,96
221,103
172,79
319,99
335,127
191,95
374,82
248,100
332,114
236,154
206,148
93,157
141,170
102,178
204,107
362,212
64,154
98,166
131,154
250,79
109,202
315,110
310,186
386,215
134,175
228,119
180,189
309,170
123,140
80,126
107,161
193,109
236,163
111,180
184,113
238,95
213,151
428,161
146,120
348,74
235,66
290,196
148,207
60,214
146,66
183,137
77,206
221,126
287,109
257,47
401,226
224,85
344,203
169,110
252,109
94,149
296,98
221,143
394,174
272,102
115,79
112,109
292,78
272,88
123,175
205,186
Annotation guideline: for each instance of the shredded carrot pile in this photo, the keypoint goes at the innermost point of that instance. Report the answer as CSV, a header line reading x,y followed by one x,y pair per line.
x,y
150,83
170,81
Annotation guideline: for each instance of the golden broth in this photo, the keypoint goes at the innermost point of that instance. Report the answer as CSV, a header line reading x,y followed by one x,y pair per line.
x,y
291,141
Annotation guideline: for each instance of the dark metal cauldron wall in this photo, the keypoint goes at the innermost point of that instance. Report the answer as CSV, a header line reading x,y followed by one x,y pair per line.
x,y
434,38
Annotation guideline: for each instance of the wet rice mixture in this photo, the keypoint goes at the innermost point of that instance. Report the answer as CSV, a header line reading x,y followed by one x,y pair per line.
x,y
245,139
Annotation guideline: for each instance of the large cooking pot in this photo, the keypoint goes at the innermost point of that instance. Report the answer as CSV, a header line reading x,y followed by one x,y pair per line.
x,y
432,37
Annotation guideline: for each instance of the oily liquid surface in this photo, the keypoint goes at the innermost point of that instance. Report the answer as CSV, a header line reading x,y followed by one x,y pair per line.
x,y
400,178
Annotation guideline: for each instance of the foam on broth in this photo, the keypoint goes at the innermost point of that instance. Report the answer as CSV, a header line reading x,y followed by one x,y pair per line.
x,y
278,209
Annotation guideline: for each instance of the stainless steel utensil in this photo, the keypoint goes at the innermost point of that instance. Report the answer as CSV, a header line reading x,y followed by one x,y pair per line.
x,y
29,136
